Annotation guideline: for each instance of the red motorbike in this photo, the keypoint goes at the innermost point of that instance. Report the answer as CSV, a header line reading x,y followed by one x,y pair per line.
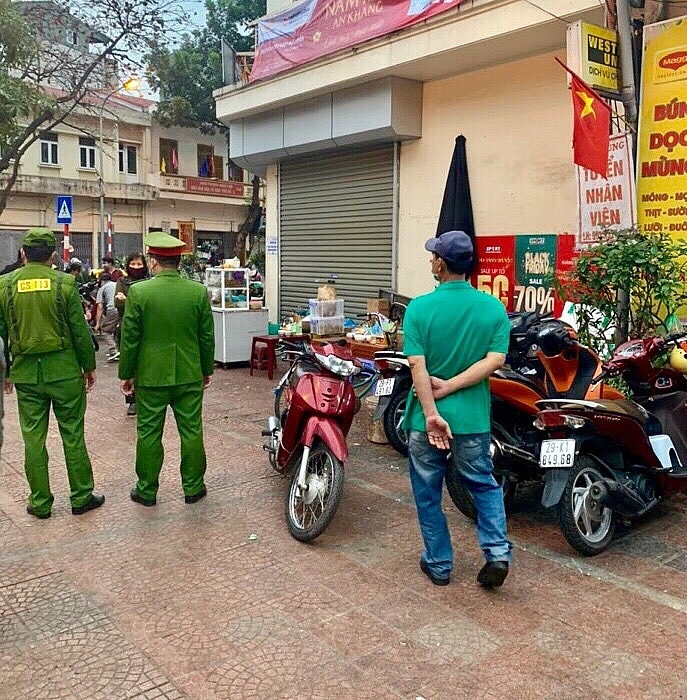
x,y
551,363
314,407
605,459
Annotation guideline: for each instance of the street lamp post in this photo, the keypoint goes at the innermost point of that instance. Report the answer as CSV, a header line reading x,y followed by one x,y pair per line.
x,y
131,84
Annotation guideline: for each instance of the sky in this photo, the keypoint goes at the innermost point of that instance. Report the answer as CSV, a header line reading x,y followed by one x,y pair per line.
x,y
196,8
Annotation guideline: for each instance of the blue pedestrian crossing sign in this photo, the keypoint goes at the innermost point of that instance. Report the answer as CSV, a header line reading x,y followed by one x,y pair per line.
x,y
64,209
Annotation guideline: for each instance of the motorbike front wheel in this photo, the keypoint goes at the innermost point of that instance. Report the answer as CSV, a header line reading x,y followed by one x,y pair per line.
x,y
393,420
588,527
309,513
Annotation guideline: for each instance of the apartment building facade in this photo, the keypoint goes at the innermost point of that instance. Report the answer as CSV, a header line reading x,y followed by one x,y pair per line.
x,y
142,190
126,174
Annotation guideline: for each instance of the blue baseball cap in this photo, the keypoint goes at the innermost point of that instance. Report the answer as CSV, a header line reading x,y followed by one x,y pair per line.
x,y
455,247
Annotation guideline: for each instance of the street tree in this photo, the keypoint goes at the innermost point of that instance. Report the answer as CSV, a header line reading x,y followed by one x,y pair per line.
x,y
59,58
231,20
186,76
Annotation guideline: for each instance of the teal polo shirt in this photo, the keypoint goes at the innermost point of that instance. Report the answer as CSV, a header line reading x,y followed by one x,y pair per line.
x,y
453,327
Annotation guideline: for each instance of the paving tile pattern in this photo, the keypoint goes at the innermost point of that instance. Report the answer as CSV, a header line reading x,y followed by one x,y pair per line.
x,y
216,600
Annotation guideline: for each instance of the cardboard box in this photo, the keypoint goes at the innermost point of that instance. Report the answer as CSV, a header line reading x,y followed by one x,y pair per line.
x,y
378,306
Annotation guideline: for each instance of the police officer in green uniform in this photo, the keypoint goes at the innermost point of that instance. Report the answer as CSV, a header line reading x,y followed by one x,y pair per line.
x,y
167,351
50,354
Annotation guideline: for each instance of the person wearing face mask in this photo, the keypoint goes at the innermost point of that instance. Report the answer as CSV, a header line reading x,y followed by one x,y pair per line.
x,y
136,270
454,338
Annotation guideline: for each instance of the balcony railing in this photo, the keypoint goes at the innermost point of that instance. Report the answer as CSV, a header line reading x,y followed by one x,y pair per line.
x,y
236,65
37,184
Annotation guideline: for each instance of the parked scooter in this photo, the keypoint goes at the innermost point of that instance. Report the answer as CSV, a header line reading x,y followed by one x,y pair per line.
x,y
564,369
87,293
396,381
610,459
392,388
314,408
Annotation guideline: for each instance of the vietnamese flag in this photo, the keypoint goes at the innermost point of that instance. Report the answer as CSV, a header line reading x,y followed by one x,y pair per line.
x,y
591,126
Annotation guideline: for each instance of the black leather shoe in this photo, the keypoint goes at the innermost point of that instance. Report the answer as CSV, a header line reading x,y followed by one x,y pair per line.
x,y
196,496
493,574
96,501
40,516
136,497
436,580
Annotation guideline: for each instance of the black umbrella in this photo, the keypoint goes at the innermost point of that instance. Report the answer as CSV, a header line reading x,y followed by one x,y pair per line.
x,y
456,207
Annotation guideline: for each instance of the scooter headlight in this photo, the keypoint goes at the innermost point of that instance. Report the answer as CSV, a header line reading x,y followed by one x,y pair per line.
x,y
344,368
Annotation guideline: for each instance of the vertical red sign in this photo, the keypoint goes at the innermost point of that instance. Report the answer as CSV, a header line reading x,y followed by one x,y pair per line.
x,y
495,273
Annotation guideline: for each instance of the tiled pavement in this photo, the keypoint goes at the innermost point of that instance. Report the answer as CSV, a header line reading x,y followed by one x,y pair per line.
x,y
216,600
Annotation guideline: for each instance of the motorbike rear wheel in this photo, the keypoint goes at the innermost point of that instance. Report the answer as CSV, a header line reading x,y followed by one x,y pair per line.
x,y
587,527
308,514
393,420
463,500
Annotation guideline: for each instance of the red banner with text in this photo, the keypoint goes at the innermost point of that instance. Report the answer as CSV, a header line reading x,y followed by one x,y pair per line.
x,y
520,270
316,28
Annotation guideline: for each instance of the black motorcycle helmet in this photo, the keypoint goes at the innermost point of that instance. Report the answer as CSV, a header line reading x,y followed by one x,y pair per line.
x,y
552,339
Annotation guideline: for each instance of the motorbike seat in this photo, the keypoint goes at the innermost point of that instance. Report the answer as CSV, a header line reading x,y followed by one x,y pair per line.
x,y
512,375
587,364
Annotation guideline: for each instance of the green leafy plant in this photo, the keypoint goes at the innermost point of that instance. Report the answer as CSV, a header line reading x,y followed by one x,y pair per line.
x,y
650,269
192,267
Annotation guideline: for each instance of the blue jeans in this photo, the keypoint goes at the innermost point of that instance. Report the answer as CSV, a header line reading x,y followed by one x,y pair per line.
x,y
471,462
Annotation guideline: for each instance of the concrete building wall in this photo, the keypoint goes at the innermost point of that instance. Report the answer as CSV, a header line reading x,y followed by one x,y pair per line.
x,y
517,122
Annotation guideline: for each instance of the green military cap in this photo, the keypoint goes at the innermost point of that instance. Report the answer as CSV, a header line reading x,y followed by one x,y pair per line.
x,y
39,236
160,243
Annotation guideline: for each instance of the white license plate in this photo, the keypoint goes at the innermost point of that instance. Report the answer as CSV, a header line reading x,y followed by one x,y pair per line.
x,y
557,453
385,386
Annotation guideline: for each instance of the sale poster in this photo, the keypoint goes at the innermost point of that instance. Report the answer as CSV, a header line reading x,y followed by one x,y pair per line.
x,y
495,270
520,270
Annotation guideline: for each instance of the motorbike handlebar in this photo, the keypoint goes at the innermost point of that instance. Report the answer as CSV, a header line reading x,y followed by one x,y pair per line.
x,y
600,378
675,337
291,349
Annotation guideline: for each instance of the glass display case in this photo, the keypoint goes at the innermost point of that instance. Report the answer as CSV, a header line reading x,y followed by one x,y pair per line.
x,y
231,290
228,288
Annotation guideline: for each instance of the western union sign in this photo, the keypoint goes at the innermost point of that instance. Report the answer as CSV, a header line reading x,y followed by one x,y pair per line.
x,y
593,55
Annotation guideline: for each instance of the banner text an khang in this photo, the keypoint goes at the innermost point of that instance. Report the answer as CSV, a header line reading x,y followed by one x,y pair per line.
x,y
316,28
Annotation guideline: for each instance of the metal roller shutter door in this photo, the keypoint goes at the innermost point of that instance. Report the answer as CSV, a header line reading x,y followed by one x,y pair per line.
x,y
336,221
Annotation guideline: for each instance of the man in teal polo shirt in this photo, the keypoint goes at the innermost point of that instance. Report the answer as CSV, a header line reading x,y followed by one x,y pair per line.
x,y
455,337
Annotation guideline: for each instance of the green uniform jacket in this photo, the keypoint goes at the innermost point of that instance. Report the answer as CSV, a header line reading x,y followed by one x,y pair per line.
x,y
168,333
43,326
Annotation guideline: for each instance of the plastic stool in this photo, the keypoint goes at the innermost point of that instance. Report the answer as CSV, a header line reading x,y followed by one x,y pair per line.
x,y
259,358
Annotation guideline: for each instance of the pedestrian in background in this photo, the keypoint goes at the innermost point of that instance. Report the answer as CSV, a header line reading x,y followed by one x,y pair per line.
x,y
11,267
136,270
455,337
167,354
107,316
111,269
51,362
